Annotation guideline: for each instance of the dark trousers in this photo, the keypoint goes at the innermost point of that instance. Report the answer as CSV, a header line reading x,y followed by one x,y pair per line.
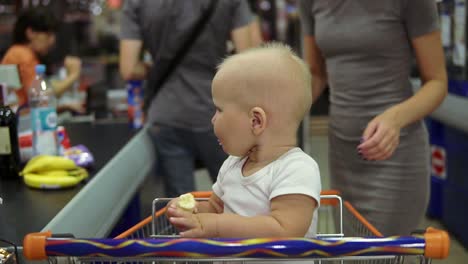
x,y
176,151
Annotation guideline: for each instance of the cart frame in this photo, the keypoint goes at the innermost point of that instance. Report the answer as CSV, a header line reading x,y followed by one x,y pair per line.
x,y
156,232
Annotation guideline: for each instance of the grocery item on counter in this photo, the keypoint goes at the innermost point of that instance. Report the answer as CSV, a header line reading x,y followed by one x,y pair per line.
x,y
52,172
9,150
43,114
81,155
25,143
135,103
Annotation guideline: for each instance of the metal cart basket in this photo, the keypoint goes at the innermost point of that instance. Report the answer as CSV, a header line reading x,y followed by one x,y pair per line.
x,y
155,240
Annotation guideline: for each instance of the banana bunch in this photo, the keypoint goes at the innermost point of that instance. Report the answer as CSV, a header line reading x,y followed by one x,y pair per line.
x,y
52,172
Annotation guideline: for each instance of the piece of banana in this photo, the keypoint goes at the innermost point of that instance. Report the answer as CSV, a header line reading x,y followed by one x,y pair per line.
x,y
42,163
186,202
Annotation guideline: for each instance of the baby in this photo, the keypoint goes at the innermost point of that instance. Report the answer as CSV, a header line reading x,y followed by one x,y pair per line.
x,y
267,187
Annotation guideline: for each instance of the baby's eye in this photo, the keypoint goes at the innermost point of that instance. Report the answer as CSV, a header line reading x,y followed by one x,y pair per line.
x,y
218,109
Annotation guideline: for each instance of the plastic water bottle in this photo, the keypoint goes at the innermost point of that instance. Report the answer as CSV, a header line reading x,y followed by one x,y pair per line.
x,y
43,106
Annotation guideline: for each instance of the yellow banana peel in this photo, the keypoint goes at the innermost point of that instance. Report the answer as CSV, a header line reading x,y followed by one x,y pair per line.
x,y
55,179
42,163
77,172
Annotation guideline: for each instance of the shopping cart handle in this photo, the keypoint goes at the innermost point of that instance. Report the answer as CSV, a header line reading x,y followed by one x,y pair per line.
x,y
437,243
434,244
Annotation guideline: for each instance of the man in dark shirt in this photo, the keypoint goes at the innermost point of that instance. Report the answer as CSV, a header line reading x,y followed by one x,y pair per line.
x,y
180,114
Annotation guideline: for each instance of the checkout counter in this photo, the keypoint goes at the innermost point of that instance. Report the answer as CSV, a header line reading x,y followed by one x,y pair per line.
x,y
122,161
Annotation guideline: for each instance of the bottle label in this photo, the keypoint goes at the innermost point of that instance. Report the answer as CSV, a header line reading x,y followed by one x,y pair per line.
x,y
5,145
44,119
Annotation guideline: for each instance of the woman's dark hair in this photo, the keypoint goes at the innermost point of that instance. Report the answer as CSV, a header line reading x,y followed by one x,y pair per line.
x,y
38,19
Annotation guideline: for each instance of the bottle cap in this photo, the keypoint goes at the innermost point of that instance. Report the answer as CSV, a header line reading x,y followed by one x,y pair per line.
x,y
40,69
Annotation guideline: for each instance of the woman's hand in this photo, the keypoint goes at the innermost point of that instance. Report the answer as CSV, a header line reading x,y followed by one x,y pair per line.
x,y
381,136
74,107
73,66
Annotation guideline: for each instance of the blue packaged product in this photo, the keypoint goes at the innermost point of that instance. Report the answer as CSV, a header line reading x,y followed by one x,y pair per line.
x,y
135,103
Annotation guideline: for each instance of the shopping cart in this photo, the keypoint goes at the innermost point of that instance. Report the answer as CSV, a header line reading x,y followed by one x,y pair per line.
x,y
155,240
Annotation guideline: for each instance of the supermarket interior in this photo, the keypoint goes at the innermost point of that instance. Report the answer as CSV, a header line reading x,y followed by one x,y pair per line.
x,y
89,138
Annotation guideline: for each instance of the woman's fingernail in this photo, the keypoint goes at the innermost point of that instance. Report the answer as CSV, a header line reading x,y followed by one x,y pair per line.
x,y
362,139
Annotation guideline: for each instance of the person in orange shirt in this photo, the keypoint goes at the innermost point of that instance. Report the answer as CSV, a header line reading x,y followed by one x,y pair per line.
x,y
33,36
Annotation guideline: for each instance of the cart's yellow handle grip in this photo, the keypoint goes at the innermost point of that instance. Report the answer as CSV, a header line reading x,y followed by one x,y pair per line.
x,y
437,243
34,245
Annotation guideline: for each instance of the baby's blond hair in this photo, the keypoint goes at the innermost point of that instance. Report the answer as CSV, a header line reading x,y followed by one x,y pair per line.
x,y
273,77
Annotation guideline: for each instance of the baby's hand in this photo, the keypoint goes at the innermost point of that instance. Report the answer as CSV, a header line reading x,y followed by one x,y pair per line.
x,y
75,107
192,225
172,203
184,202
182,220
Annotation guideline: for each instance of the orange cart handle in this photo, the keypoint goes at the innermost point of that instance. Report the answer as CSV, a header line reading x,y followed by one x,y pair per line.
x,y
437,243
202,194
207,194
330,192
34,245
329,201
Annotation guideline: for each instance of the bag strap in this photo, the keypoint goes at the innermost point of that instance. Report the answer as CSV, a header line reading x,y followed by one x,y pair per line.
x,y
159,75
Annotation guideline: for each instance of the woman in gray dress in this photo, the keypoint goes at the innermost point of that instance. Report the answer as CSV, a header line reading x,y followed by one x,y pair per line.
x,y
379,152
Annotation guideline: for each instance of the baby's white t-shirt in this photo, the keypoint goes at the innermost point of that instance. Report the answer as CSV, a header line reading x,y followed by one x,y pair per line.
x,y
294,172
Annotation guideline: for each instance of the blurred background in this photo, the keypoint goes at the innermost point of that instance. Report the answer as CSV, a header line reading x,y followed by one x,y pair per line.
x,y
90,30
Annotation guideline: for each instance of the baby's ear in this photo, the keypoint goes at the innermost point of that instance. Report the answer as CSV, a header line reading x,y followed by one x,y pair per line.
x,y
258,120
